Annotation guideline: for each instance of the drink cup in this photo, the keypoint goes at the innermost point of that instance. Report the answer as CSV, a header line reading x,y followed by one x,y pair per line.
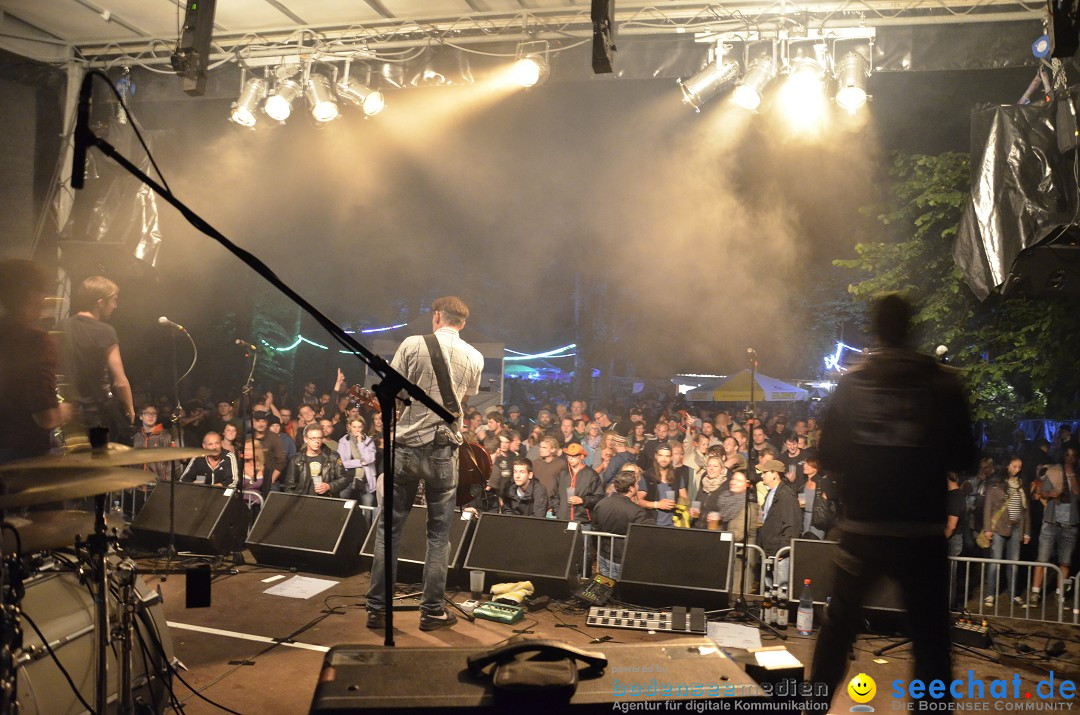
x,y
476,584
713,520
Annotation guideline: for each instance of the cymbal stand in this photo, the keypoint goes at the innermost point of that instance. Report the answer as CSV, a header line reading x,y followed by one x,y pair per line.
x,y
125,579
98,547
11,588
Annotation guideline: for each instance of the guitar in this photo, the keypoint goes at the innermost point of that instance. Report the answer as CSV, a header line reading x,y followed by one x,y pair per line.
x,y
474,468
364,397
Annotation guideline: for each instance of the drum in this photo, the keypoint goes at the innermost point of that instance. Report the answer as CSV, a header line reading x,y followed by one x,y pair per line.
x,y
64,611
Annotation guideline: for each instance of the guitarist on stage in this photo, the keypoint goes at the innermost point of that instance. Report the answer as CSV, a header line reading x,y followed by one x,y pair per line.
x,y
427,451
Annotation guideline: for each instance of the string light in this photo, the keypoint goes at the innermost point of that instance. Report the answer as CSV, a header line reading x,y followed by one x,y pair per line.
x,y
549,354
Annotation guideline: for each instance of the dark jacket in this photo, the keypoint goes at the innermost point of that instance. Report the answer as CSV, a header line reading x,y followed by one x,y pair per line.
x,y
614,514
895,425
587,486
783,521
297,479
534,502
223,475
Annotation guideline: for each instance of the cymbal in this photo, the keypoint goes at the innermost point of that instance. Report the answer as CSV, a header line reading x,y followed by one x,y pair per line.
x,y
115,455
37,486
44,530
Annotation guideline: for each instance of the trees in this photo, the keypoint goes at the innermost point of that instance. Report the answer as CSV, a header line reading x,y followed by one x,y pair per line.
x,y
1019,356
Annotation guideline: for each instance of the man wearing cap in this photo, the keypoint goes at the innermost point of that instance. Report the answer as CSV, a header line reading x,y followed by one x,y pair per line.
x,y
620,459
587,488
781,517
273,452
543,420
513,418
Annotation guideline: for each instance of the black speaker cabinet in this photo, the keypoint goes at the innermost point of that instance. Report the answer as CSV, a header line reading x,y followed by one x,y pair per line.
x,y
526,548
209,520
1045,271
413,549
665,566
813,559
312,533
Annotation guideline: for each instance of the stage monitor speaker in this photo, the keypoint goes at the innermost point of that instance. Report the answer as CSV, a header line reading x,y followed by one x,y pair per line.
x,y
815,560
209,520
664,566
1044,272
312,533
373,678
520,548
413,550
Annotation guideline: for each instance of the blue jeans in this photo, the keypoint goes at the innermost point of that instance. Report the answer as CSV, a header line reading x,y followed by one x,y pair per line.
x,y
437,468
1057,535
1009,548
611,569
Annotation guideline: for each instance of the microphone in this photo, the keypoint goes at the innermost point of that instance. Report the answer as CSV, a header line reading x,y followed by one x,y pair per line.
x,y
82,136
245,344
165,321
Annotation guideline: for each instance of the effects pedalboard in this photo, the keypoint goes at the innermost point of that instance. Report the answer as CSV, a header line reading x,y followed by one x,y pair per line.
x,y
499,612
678,620
967,632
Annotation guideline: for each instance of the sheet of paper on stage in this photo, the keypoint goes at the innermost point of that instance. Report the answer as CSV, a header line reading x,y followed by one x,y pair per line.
x,y
733,635
300,587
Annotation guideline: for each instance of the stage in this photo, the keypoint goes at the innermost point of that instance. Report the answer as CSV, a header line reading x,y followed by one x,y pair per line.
x,y
233,655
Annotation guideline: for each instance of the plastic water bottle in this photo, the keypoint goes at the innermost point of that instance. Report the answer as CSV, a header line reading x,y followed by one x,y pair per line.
x,y
804,619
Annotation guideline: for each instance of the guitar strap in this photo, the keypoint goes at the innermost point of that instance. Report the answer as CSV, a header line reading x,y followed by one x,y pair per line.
x,y
442,375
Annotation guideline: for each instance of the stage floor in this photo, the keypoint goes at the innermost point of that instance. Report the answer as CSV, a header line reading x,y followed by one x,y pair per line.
x,y
233,658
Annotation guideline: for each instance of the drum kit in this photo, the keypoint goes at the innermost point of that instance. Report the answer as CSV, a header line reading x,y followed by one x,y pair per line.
x,y
88,609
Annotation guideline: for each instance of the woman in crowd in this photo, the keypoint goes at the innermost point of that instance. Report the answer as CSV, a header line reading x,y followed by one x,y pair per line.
x,y
228,437
711,489
593,443
659,488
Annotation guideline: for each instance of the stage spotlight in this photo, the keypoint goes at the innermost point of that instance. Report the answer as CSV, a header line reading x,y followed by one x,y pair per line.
x,y
802,100
529,69
851,74
748,92
700,88
370,100
320,92
279,104
243,109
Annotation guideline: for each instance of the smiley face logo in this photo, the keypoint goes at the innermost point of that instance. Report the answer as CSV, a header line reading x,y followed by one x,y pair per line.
x,y
862,688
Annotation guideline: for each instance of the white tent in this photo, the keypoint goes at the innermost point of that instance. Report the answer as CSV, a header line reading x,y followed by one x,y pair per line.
x,y
737,389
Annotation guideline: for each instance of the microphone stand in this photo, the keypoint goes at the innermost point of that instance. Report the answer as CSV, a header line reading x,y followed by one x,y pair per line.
x,y
391,383
741,607
245,408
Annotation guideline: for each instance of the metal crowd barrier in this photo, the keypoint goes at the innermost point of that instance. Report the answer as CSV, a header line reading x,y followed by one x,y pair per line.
x,y
963,585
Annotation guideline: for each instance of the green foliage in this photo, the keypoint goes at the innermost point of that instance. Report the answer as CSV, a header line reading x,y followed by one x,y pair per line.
x,y
1018,356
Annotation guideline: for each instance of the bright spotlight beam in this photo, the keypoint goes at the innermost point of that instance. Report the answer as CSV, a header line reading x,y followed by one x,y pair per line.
x,y
320,93
529,70
748,92
243,109
852,72
279,104
360,95
705,84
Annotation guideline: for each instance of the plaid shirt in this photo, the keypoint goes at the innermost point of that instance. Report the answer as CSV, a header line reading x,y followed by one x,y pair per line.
x,y
416,424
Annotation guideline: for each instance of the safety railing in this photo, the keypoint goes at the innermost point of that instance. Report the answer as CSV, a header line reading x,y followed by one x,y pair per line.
x,y
987,593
